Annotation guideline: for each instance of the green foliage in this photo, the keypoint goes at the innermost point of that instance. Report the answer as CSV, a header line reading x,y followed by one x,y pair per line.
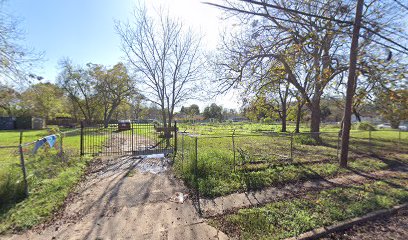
x,y
45,100
49,179
365,126
292,217
305,139
213,111
393,105
268,120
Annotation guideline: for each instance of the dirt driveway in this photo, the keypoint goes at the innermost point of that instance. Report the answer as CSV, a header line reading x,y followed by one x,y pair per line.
x,y
126,198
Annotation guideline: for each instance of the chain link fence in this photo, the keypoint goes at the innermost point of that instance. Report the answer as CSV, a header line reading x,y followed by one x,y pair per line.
x,y
216,164
23,166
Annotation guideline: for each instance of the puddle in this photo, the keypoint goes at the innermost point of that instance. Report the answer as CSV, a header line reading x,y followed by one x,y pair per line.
x,y
160,155
155,163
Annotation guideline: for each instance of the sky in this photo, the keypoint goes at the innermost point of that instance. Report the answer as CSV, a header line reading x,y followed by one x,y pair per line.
x,y
84,31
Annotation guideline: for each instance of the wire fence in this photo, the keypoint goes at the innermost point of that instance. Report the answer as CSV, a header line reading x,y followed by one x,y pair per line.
x,y
213,165
26,164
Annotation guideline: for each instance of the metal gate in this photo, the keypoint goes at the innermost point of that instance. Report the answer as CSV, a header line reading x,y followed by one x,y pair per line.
x,y
127,138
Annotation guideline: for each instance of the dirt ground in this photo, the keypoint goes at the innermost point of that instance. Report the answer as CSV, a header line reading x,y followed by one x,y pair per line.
x,y
126,198
392,227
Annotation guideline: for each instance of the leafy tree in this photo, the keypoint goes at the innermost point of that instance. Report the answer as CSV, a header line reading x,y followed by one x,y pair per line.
x,y
9,100
193,110
112,87
393,106
213,111
325,112
44,100
78,83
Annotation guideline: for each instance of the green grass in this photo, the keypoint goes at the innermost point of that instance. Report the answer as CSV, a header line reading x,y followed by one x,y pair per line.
x,y
263,160
294,216
50,178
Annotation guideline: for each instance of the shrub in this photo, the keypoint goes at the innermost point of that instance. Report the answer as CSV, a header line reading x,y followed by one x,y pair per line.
x,y
11,187
365,126
267,120
305,139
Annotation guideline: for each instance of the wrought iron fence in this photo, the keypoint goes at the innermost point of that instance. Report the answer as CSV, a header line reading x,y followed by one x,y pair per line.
x,y
128,137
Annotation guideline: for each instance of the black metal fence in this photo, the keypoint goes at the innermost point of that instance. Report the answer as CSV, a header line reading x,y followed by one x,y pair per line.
x,y
127,138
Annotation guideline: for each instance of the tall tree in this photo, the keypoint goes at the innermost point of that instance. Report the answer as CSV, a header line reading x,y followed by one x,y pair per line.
x,y
213,111
78,83
351,82
44,100
393,105
112,87
9,100
310,50
165,56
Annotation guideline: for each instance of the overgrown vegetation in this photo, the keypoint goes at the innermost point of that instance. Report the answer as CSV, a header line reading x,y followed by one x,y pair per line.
x,y
292,217
263,160
50,179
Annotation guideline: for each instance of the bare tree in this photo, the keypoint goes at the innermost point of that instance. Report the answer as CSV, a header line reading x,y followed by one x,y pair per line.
x,y
16,60
166,58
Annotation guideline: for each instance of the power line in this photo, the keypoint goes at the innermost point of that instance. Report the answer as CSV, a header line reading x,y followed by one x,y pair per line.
x,y
301,13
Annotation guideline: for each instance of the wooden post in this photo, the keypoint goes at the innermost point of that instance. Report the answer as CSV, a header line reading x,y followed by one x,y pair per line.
x,y
22,164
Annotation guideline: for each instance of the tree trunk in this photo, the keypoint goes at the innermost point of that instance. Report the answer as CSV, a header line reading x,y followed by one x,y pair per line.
x,y
283,118
109,116
298,116
315,115
345,137
357,115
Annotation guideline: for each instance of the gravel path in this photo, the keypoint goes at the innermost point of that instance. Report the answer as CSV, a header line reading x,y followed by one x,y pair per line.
x,y
126,198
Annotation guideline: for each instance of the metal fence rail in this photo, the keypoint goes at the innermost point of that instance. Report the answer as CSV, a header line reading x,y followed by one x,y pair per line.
x,y
205,158
138,138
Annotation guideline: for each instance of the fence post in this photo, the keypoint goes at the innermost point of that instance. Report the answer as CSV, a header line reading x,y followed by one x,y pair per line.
x,y
399,140
182,152
61,153
233,147
338,144
175,138
196,162
20,149
196,176
82,139
369,140
131,127
291,146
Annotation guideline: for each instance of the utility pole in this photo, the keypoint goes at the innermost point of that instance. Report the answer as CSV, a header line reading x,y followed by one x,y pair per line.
x,y
352,78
